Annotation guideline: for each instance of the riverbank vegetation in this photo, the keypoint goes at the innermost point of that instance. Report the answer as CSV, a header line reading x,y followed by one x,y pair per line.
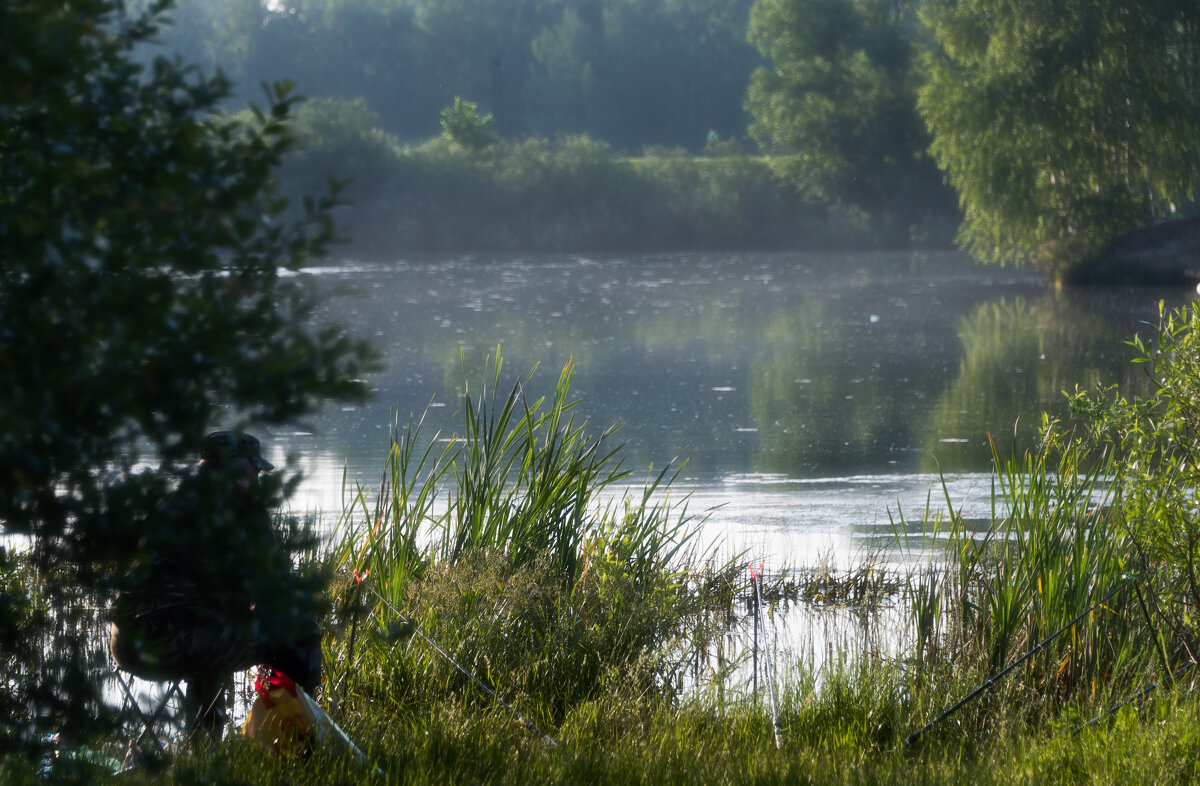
x,y
511,557
1081,585
469,190
141,303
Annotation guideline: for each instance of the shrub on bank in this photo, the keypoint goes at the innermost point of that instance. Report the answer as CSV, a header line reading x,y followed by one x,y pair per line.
x,y
575,194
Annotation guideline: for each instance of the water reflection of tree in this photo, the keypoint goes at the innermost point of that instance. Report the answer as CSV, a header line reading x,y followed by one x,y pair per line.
x,y
830,398
1017,360
763,368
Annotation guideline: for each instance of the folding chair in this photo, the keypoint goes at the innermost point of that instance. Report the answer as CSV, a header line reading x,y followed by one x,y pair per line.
x,y
151,719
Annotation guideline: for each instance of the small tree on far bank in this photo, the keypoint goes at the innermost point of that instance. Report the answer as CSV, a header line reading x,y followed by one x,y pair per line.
x,y
140,306
462,124
835,105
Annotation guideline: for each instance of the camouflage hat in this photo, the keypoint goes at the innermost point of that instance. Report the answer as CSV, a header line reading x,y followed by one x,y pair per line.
x,y
221,446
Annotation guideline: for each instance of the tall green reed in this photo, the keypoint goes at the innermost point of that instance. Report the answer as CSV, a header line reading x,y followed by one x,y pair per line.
x,y
522,478
526,475
517,543
387,539
1102,503
1050,549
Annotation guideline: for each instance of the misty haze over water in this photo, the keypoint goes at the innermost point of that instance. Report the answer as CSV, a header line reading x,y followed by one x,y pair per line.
x,y
811,393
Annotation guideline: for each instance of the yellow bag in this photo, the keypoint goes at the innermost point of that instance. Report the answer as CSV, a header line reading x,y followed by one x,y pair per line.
x,y
280,720
285,719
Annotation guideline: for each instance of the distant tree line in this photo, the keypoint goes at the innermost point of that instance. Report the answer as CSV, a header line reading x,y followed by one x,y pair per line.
x,y
651,79
630,72
1049,132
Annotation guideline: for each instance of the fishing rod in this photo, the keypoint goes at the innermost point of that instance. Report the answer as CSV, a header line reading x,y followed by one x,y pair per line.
x,y
1178,672
417,629
908,741
756,580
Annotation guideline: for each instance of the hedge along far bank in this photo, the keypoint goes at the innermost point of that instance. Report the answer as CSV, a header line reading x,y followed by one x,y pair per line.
x,y
571,194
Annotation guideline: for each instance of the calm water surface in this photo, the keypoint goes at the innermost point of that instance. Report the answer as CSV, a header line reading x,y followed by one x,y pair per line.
x,y
812,395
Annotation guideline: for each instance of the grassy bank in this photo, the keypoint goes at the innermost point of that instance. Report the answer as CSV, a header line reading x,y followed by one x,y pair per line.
x,y
521,620
574,194
842,735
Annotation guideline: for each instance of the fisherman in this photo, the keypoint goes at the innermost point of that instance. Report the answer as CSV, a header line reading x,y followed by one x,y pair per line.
x,y
212,591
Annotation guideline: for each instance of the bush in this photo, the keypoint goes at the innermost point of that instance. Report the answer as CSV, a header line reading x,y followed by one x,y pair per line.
x,y
1089,559
463,125
339,140
1156,476
140,306
574,194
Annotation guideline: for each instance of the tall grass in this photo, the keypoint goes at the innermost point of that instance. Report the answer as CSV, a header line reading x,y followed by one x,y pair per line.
x,y
1052,549
524,479
565,596
516,544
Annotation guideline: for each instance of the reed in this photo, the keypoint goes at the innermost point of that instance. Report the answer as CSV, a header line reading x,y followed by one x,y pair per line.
x,y
564,596
516,546
1048,552
868,583
1102,507
523,478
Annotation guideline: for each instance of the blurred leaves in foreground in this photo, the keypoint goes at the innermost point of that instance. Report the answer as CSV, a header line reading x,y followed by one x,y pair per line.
x,y
140,306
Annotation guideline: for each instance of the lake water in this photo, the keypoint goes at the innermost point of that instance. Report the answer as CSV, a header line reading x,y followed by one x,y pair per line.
x,y
812,394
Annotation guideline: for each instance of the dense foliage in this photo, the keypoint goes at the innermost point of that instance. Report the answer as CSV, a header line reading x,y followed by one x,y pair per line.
x,y
464,125
466,190
1155,440
630,72
836,105
1063,125
1060,129
636,76
140,307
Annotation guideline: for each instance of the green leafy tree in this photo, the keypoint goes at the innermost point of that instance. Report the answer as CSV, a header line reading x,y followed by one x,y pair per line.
x,y
463,124
140,307
837,108
638,73
1062,125
565,87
